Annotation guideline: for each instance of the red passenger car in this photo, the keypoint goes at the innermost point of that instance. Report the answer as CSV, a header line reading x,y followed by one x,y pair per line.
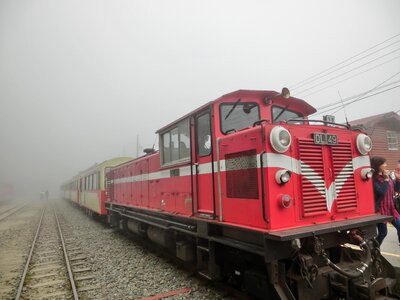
x,y
259,195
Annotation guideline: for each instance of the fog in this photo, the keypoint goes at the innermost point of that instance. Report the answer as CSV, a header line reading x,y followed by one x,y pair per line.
x,y
80,80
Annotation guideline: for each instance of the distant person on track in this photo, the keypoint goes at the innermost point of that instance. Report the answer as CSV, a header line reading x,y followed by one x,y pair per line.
x,y
384,192
44,195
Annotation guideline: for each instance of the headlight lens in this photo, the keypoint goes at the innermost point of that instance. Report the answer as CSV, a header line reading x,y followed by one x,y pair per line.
x,y
367,173
280,139
364,143
282,176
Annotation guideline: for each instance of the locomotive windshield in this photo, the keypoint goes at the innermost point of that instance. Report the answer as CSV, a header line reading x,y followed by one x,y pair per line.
x,y
283,113
238,115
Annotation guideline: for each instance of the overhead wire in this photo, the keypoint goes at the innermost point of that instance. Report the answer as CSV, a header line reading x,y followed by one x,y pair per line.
x,y
358,96
344,61
362,98
340,108
348,78
355,96
342,67
344,73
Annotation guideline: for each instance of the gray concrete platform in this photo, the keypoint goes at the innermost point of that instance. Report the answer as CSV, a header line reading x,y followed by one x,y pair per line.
x,y
390,248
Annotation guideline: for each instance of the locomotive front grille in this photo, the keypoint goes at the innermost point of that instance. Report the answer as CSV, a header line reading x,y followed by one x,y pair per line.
x,y
312,179
318,162
344,177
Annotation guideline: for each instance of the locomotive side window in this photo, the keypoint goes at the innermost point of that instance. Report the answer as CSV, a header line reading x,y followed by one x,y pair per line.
x,y
166,149
176,144
238,115
282,113
203,134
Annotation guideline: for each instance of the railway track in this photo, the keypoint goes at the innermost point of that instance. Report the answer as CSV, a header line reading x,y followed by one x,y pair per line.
x,y
10,211
51,272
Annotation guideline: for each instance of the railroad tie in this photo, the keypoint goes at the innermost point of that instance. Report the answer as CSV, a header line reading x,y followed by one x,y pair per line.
x,y
43,276
88,288
46,268
52,295
78,258
84,278
47,283
79,263
81,270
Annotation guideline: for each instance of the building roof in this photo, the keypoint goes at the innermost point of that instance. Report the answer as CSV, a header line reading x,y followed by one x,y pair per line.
x,y
376,119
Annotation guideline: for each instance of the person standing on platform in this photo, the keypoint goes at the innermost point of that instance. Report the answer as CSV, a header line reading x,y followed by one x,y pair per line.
x,y
384,192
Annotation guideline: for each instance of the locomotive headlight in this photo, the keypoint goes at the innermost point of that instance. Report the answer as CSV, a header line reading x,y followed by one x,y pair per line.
x,y
367,173
280,139
282,176
364,143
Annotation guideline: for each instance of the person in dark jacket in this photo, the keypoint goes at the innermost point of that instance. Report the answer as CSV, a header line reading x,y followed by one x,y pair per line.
x,y
384,192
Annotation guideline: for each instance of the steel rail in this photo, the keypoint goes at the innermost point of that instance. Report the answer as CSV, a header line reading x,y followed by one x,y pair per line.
x,y
9,212
28,260
71,277
8,209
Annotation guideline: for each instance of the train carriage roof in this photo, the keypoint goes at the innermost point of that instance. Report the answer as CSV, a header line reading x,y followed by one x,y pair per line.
x,y
107,163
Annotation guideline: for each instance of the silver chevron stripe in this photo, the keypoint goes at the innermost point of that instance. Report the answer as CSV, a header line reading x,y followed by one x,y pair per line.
x,y
270,160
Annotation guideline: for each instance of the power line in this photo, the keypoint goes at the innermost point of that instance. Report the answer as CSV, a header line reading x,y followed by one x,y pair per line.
x,y
363,94
355,75
351,70
357,60
346,60
366,97
355,96
369,96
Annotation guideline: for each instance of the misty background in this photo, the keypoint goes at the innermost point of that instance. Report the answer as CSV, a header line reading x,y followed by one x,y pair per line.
x,y
80,80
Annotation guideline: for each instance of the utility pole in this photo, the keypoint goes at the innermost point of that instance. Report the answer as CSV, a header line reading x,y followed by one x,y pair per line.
x,y
137,145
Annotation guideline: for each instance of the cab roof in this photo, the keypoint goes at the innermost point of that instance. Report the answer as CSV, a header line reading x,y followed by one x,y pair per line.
x,y
274,97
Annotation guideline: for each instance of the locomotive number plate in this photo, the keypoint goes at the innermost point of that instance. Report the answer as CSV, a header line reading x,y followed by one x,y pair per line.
x,y
325,139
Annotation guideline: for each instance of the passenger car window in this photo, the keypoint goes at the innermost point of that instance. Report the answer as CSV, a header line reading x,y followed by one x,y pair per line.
x,y
238,115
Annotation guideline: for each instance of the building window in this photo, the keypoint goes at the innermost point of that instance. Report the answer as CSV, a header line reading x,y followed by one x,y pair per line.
x,y
176,144
392,140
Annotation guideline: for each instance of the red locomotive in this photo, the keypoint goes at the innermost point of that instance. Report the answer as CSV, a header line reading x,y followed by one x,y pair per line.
x,y
258,195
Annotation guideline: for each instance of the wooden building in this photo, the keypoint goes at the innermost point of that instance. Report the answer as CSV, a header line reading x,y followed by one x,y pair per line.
x,y
384,130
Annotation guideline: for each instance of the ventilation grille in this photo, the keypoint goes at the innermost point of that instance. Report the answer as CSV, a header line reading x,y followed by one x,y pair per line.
x,y
344,177
313,181
241,175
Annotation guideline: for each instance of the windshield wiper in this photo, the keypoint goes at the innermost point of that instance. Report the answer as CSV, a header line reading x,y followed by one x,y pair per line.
x,y
233,107
280,114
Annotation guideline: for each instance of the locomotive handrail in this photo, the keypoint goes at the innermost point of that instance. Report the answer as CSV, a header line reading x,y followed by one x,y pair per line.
x,y
260,121
317,121
232,130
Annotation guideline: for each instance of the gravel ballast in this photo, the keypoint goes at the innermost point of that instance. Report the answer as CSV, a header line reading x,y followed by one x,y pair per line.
x,y
124,268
